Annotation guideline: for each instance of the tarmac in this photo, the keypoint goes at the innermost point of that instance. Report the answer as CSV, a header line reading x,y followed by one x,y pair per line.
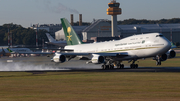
x,y
43,64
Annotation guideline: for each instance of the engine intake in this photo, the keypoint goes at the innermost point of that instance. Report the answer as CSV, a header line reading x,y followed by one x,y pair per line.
x,y
171,54
97,59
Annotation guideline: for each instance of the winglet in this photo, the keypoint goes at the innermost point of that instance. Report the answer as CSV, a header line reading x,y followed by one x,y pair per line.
x,y
71,36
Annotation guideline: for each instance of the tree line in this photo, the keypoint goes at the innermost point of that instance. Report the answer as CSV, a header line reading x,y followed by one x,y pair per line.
x,y
20,35
139,21
145,21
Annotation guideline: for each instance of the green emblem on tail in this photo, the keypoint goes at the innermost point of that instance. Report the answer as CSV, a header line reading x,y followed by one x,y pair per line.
x,y
71,36
69,31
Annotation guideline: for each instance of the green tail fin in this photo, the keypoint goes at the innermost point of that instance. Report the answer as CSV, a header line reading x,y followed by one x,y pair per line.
x,y
9,50
71,36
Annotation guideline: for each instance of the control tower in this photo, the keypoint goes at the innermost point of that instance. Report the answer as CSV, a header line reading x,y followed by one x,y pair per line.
x,y
113,10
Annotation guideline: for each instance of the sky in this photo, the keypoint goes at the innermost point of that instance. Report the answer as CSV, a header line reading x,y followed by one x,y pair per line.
x,y
27,12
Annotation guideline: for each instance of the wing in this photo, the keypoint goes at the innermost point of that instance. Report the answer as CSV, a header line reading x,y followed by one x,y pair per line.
x,y
57,44
10,51
59,49
93,57
122,54
46,53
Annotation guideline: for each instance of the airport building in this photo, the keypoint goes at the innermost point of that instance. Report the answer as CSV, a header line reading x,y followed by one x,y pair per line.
x,y
51,28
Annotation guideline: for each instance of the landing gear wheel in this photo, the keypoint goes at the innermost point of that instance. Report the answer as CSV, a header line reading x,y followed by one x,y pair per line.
x,y
131,66
111,66
158,63
134,66
103,66
107,66
122,66
118,67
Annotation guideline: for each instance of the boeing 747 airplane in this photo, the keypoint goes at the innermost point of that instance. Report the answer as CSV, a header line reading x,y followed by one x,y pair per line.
x,y
112,53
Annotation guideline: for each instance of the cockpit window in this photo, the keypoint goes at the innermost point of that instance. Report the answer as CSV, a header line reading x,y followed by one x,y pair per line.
x,y
159,35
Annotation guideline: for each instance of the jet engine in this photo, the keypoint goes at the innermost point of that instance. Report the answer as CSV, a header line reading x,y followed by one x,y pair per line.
x,y
163,57
97,59
171,54
59,58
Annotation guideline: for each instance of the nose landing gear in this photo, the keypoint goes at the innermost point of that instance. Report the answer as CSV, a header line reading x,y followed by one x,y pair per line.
x,y
158,60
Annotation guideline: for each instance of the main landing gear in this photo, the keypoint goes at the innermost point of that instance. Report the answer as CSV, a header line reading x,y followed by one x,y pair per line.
x,y
110,65
119,65
133,65
107,66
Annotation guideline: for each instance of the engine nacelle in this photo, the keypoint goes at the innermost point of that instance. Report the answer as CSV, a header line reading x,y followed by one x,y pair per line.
x,y
171,54
164,57
59,58
97,59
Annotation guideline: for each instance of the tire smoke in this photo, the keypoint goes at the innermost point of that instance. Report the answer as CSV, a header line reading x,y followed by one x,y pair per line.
x,y
25,67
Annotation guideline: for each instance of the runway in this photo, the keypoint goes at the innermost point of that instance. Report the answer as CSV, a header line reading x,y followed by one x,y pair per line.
x,y
42,64
140,69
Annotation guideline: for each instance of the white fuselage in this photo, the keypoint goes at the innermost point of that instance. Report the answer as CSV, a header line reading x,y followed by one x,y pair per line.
x,y
137,46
